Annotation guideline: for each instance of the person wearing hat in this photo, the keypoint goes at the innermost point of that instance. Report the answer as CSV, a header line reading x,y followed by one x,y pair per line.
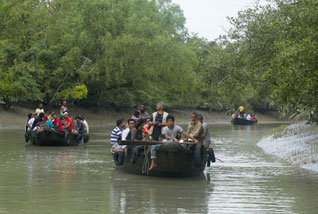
x,y
67,122
67,125
157,122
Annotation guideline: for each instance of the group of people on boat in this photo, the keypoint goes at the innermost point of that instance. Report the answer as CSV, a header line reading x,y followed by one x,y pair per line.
x,y
37,121
159,126
242,115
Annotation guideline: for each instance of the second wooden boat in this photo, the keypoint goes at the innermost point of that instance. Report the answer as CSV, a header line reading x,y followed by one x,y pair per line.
x,y
173,159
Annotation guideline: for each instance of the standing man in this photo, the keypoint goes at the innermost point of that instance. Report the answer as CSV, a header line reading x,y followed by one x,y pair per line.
x,y
40,109
195,129
241,111
116,135
157,122
63,109
143,114
207,140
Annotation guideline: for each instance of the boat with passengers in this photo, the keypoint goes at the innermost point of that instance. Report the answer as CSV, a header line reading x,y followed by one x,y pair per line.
x,y
173,159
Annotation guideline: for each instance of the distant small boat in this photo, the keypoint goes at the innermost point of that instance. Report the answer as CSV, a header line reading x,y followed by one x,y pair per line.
x,y
242,121
173,159
49,137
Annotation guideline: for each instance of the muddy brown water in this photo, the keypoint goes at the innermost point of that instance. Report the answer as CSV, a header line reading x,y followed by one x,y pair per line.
x,y
84,179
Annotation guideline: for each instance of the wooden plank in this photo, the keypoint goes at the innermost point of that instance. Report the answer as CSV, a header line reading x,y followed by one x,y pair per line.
x,y
140,142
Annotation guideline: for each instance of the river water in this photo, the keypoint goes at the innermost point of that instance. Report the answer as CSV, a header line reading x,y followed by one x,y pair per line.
x,y
84,179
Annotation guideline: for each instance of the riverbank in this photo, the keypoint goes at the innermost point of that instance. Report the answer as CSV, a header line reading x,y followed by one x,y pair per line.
x,y
16,116
296,143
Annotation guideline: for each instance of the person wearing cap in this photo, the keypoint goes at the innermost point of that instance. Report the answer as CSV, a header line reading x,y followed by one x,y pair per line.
x,y
67,122
67,125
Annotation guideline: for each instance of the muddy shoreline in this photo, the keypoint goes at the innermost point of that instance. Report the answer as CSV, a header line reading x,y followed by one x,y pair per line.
x,y
16,116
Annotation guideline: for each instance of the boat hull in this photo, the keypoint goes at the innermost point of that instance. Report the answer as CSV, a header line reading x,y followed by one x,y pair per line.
x,y
173,160
49,137
240,121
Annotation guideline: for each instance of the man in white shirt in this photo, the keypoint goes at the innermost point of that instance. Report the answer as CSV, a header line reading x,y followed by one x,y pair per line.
x,y
128,131
31,121
40,109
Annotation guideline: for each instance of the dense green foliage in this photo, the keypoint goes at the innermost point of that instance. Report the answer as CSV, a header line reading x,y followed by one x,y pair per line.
x,y
110,52
120,53
268,59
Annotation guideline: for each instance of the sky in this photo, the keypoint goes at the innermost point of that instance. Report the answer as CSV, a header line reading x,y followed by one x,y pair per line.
x,y
207,18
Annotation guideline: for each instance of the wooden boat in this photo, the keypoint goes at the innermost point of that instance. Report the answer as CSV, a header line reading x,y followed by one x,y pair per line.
x,y
173,159
242,121
50,137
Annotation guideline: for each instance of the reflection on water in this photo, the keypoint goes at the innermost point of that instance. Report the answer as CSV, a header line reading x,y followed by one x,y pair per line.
x,y
84,179
138,194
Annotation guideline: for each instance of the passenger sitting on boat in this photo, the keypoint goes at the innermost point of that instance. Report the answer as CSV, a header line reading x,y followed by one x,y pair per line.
x,y
27,122
241,111
135,117
37,122
67,122
153,154
172,132
57,123
40,109
129,131
86,127
254,117
143,114
195,129
67,125
50,117
248,117
207,139
63,109
139,130
31,121
48,123
79,130
233,117
116,135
